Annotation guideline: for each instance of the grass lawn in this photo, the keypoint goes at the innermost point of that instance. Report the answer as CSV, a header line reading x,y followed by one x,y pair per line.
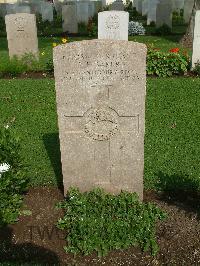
x,y
172,127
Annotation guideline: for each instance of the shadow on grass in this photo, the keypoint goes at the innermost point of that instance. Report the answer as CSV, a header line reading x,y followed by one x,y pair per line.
x,y
52,145
23,253
180,190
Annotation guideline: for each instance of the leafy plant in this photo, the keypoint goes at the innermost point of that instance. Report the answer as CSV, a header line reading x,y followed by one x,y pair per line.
x,y
165,64
12,182
92,28
163,30
135,28
96,221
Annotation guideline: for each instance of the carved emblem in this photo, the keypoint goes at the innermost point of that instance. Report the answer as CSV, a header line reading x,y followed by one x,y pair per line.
x,y
113,22
101,123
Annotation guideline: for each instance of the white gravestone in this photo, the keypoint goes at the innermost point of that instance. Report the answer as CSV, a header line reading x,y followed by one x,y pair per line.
x,y
151,14
47,12
113,25
69,18
100,94
164,14
196,40
21,34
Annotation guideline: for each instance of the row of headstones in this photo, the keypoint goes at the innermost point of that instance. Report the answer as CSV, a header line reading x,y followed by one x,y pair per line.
x,y
45,9
74,12
22,30
160,11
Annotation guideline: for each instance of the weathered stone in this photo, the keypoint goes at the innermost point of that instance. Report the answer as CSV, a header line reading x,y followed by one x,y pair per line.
x,y
151,14
100,92
47,12
164,14
188,10
82,11
117,5
21,34
113,25
69,18
196,40
144,7
23,9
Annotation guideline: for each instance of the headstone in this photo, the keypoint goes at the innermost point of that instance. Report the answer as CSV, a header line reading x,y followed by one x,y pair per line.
x,y
164,14
69,18
151,14
196,40
91,9
47,12
100,92
3,10
117,5
144,7
188,6
82,11
11,8
113,25
138,6
23,9
177,5
21,34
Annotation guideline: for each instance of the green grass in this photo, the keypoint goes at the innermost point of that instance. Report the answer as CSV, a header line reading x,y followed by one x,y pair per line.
x,y
172,127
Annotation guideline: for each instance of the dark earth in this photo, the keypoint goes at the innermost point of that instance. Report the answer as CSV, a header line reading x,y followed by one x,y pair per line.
x,y
35,240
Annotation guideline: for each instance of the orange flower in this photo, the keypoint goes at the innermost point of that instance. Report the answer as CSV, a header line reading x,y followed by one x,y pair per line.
x,y
174,50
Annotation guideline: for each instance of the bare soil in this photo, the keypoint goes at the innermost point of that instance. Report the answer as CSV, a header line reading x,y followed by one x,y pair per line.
x,y
35,240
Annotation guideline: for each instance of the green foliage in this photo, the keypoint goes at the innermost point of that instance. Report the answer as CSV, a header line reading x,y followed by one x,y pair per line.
x,y
18,65
165,64
96,221
92,28
13,182
164,30
177,18
2,27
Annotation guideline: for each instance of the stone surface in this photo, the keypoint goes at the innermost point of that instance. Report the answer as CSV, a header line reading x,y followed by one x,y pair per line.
x,y
47,12
151,14
82,11
164,14
117,5
113,25
69,18
188,9
144,7
100,92
21,34
177,5
23,9
196,40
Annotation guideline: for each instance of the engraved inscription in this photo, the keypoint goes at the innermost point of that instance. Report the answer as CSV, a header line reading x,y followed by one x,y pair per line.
x,y
113,22
101,123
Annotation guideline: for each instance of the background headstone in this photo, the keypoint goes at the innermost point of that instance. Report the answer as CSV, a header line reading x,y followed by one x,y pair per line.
x,y
144,7
21,34
82,11
188,10
164,14
117,5
196,40
47,12
151,14
100,92
69,18
113,25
